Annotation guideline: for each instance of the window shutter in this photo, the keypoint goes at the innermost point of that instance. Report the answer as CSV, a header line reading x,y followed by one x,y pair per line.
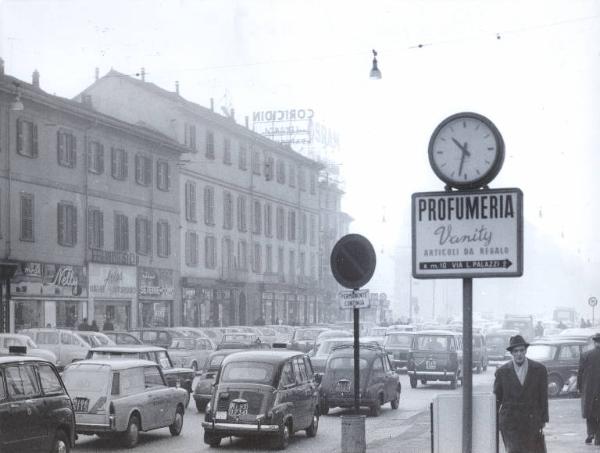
x,y
27,217
100,158
148,237
137,164
148,171
61,224
34,140
168,176
60,147
125,171
89,158
193,202
19,135
168,238
113,162
73,151
188,239
137,234
90,227
100,220
73,210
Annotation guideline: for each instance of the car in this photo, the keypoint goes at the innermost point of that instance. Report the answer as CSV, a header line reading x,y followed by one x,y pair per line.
x,y
67,345
120,398
176,377
12,339
378,331
269,394
379,383
435,355
157,336
208,374
303,339
284,333
561,359
496,343
522,323
267,334
582,333
95,339
122,338
480,354
194,332
36,412
190,352
397,344
331,334
242,341
319,354
402,328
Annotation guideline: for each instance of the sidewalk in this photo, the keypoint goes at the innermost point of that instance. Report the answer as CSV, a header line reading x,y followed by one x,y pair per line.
x,y
564,434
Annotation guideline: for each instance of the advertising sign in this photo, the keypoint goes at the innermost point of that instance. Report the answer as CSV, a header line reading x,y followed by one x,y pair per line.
x,y
354,299
467,234
155,283
113,281
55,280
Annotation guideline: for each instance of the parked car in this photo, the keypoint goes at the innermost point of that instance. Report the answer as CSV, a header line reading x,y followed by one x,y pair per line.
x,y
67,345
194,332
269,394
124,338
36,413
378,331
123,397
435,355
208,374
561,359
94,339
12,339
480,354
496,343
522,323
331,334
176,377
156,336
397,344
379,382
402,328
190,352
242,341
303,339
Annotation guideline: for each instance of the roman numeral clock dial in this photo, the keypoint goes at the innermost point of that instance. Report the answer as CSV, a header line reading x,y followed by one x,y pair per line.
x,y
466,151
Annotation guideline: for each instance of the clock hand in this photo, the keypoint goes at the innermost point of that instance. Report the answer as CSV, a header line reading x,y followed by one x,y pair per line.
x,y
463,147
462,161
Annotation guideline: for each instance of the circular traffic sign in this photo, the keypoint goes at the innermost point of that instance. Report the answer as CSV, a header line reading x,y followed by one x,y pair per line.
x,y
592,301
353,261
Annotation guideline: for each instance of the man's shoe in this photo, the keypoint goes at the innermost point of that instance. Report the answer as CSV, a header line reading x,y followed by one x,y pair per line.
x,y
588,439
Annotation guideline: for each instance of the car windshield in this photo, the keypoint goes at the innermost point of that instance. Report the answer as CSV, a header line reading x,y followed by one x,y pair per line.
x,y
113,355
396,339
326,347
346,363
237,338
88,378
307,334
541,352
254,372
182,343
432,342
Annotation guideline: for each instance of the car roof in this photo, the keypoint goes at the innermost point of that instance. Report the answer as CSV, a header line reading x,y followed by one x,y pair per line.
x,y
400,332
115,364
367,350
559,341
15,335
271,356
437,332
132,348
16,358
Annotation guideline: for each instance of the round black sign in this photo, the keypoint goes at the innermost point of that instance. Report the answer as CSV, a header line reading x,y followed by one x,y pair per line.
x,y
353,261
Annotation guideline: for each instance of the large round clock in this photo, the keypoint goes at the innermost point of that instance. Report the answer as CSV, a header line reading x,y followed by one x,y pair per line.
x,y
466,151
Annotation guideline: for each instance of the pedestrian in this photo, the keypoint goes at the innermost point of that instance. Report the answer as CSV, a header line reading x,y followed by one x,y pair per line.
x,y
588,384
84,325
521,388
108,325
539,329
94,326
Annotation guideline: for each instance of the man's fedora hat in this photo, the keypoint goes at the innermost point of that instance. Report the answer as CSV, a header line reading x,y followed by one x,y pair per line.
x,y
516,341
596,337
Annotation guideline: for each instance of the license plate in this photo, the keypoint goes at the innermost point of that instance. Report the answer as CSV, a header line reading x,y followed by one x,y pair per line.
x,y
81,404
238,407
221,415
430,365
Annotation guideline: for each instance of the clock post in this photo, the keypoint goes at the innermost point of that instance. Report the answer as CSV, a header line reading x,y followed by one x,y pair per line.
x,y
468,230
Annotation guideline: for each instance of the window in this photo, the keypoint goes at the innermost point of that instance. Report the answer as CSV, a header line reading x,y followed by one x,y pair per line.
x,y
163,239
27,217
190,201
269,170
210,145
49,380
313,230
243,158
163,175
280,261
313,183
227,253
313,266
269,259
209,205
152,377
210,252
569,352
21,381
143,236
268,220
280,223
95,156
190,136
256,261
302,263
292,225
95,228
227,210
67,224
257,218
303,228
292,264
27,138
227,151
280,171
255,162
143,170
241,205
191,248
302,179
118,163
121,233
287,375
292,178
243,255
300,370
65,149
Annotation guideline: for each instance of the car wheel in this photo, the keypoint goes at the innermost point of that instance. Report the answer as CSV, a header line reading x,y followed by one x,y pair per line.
x,y
311,431
201,405
177,425
395,403
211,439
413,382
376,408
131,436
283,438
555,385
61,443
324,408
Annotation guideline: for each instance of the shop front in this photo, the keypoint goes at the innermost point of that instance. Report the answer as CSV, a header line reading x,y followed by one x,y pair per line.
x,y
156,293
52,295
112,291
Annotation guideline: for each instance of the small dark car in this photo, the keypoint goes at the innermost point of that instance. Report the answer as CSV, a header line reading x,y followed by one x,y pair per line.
x,y
561,359
398,345
208,375
435,355
269,394
379,382
36,412
496,344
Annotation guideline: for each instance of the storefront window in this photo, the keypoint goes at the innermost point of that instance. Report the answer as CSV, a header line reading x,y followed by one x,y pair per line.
x,y
69,313
112,312
155,314
29,313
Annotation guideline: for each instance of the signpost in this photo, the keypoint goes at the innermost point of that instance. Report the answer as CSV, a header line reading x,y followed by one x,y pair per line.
x,y
592,301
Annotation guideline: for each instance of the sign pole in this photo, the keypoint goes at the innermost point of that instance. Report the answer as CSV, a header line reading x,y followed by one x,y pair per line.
x,y
356,362
467,433
593,312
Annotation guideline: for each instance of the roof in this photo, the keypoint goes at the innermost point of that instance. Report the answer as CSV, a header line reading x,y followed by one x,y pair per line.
x,y
558,341
16,358
272,356
114,364
132,349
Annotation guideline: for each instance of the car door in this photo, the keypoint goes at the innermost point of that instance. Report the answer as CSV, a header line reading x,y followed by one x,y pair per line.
x,y
377,379
567,361
55,400
8,439
163,408
287,386
304,392
391,379
314,399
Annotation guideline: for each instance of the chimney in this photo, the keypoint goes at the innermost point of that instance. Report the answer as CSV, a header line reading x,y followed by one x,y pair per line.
x,y
35,79
143,74
97,74
1,67
212,104
247,121
232,114
177,87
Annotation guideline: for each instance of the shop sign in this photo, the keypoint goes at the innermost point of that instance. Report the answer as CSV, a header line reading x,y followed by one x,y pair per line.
x,y
155,283
40,279
112,281
113,257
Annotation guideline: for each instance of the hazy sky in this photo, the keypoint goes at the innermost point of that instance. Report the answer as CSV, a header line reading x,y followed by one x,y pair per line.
x,y
532,67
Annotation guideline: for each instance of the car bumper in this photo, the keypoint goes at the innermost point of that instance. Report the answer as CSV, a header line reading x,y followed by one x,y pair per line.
x,y
89,428
433,375
198,397
238,429
345,401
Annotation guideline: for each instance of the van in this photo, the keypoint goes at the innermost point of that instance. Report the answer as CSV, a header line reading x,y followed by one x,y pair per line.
x,y
68,346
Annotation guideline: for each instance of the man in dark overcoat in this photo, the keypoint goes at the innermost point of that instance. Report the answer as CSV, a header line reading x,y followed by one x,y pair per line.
x,y
588,384
521,388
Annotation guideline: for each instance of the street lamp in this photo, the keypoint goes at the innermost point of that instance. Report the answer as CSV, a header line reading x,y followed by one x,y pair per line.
x,y
375,72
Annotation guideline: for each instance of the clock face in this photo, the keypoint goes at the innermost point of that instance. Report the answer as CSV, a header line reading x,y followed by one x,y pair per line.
x,y
466,150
